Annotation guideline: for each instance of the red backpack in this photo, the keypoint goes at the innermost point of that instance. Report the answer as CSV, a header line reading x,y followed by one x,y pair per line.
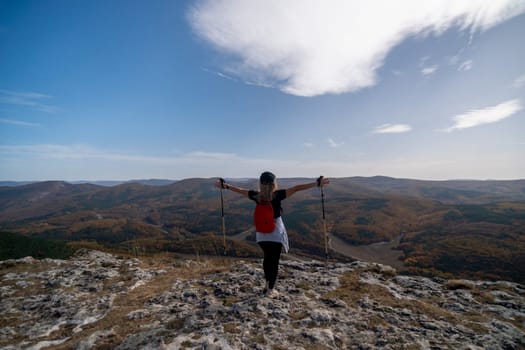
x,y
263,217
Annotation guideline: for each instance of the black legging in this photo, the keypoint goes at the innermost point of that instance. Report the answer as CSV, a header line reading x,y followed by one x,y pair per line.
x,y
272,254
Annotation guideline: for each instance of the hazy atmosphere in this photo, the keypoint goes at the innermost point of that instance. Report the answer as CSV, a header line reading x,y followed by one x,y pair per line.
x,y
114,90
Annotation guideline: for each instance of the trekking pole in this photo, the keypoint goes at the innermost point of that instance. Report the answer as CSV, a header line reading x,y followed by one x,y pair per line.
x,y
222,217
319,181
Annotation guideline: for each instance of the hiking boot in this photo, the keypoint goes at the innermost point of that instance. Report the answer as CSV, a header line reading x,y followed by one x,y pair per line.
x,y
266,288
273,293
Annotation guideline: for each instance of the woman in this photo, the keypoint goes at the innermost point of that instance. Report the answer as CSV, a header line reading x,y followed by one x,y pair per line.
x,y
273,242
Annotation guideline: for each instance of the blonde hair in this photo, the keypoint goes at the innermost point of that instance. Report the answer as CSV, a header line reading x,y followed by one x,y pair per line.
x,y
266,191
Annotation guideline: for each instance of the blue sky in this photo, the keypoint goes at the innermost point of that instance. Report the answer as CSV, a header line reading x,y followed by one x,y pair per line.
x,y
116,90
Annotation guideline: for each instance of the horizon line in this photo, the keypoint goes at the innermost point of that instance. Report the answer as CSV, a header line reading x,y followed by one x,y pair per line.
x,y
241,178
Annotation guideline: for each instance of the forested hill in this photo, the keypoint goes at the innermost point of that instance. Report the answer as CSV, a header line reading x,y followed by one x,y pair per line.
x,y
470,228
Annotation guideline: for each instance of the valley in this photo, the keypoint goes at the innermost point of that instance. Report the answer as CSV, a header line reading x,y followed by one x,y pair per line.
x,y
473,229
382,252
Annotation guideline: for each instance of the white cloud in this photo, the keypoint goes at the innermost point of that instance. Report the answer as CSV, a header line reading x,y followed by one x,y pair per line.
x,y
486,115
308,144
465,65
429,70
30,99
519,81
392,128
18,122
334,144
310,48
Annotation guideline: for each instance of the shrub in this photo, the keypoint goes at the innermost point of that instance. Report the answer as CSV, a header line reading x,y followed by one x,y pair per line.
x,y
14,246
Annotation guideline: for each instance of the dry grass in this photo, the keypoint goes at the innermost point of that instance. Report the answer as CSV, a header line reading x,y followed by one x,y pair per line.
x,y
232,328
230,300
459,284
303,285
376,321
316,347
519,322
351,289
175,324
279,347
298,315
259,339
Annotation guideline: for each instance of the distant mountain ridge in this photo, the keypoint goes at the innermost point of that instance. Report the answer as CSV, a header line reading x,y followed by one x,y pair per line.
x,y
471,228
444,191
448,191
15,183
107,183
457,192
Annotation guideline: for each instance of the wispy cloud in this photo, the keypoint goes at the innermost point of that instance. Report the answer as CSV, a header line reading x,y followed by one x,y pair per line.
x,y
392,129
465,65
426,68
18,122
519,81
210,155
426,71
313,48
86,152
89,162
454,60
460,63
29,99
486,115
74,162
308,144
224,76
70,152
334,144
219,74
397,73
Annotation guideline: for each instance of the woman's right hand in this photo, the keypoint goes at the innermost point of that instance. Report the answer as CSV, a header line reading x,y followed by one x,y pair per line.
x,y
219,183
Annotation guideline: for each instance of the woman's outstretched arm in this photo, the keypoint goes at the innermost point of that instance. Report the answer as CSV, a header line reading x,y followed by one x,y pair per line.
x,y
222,184
321,181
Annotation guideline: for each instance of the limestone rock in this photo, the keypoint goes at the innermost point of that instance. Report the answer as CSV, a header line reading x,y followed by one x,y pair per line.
x,y
96,300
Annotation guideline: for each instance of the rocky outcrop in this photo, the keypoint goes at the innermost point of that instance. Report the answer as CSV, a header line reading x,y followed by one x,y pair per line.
x,y
96,300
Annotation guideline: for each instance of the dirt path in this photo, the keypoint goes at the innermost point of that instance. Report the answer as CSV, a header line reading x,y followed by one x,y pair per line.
x,y
242,236
382,253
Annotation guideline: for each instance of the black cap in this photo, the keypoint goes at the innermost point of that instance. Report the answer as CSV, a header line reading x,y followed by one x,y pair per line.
x,y
267,178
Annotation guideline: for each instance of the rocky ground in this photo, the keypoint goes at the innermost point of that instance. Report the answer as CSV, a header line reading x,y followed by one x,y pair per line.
x,y
99,301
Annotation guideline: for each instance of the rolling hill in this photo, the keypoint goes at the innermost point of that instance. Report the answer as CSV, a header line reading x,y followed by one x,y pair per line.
x,y
465,228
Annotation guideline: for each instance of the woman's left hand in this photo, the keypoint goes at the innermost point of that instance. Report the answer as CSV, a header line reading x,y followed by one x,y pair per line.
x,y
322,181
